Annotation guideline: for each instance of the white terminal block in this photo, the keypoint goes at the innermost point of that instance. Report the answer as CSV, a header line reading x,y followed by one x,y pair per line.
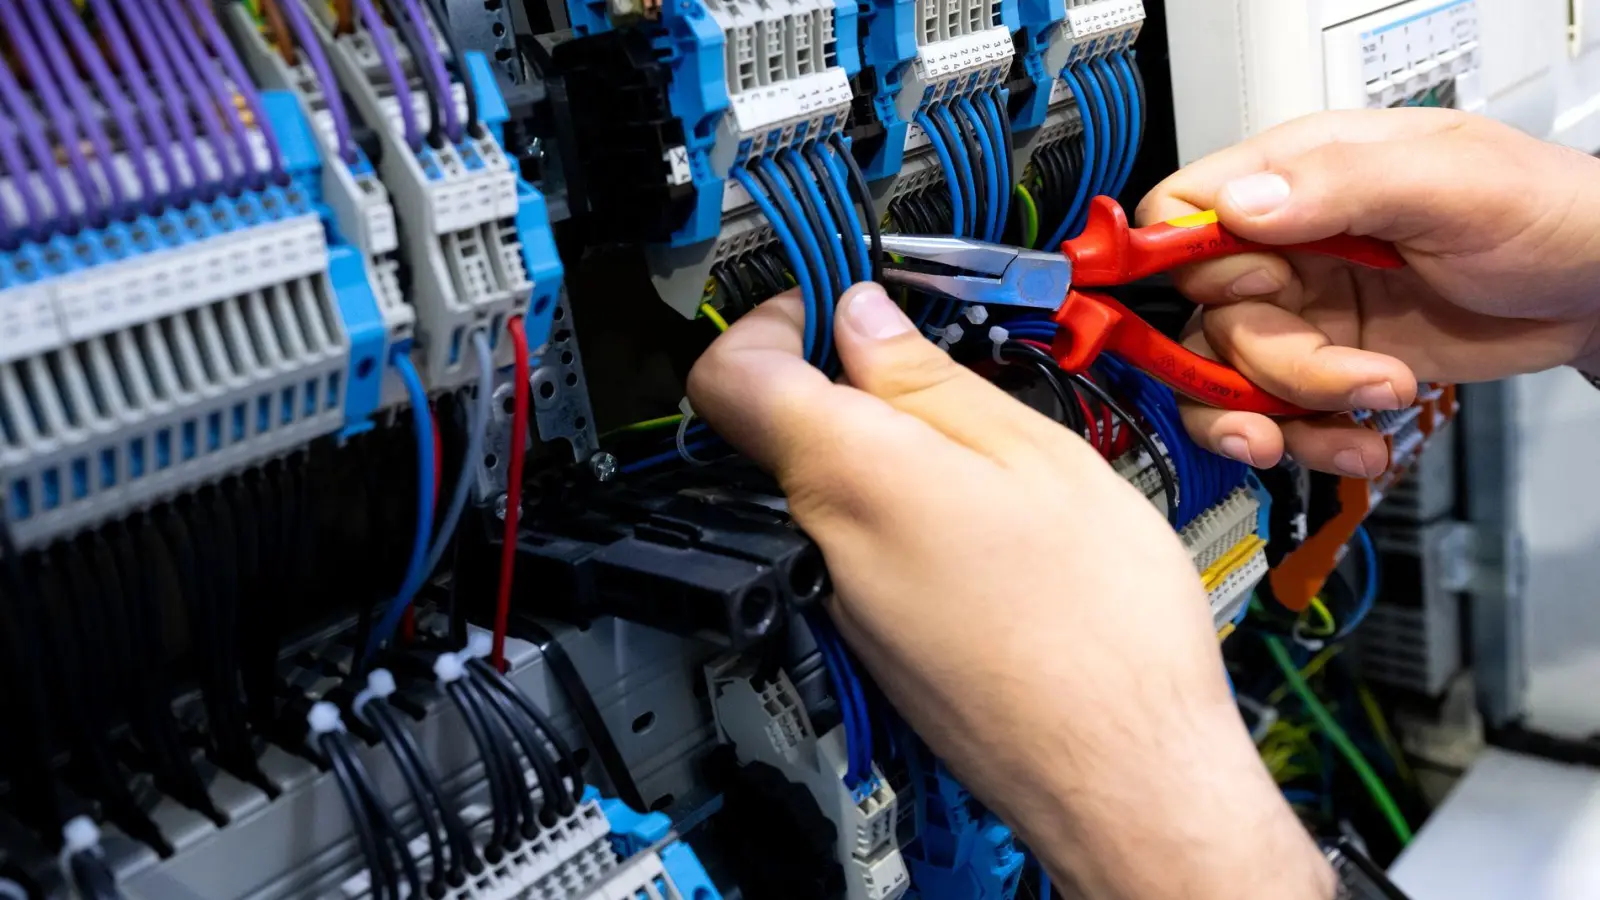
x,y
359,203
1401,53
947,68
1113,23
772,114
456,206
572,858
768,724
1221,528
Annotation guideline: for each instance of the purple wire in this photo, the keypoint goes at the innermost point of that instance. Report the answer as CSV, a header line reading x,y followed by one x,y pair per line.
x,y
391,63
241,80
435,62
56,54
168,83
50,99
111,94
190,77
307,39
200,62
11,155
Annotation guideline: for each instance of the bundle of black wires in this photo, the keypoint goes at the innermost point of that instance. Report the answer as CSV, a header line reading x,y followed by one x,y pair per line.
x,y
376,831
440,820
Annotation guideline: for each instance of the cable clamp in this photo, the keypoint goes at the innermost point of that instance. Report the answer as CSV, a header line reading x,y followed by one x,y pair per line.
x,y
997,339
683,432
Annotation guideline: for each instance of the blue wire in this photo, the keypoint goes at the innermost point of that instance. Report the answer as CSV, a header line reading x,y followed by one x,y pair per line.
x,y
1044,884
859,700
1301,797
833,661
991,167
1102,162
858,247
1080,198
416,569
947,163
791,249
992,111
830,239
651,462
1369,588
1125,69
1117,110
813,254
969,227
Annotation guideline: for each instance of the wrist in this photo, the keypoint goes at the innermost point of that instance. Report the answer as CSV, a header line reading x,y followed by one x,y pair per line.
x,y
1193,815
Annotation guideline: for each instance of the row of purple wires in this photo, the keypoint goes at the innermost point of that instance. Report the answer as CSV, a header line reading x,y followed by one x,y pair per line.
x,y
174,61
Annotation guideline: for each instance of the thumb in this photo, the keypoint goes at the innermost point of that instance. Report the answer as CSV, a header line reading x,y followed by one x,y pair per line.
x,y
885,355
1393,190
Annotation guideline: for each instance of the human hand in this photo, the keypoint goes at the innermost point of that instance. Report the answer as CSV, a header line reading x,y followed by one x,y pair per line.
x,y
1500,233
1029,612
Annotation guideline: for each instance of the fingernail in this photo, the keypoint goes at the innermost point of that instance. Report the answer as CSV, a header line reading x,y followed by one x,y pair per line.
x,y
1235,447
873,315
1350,463
1256,283
1258,195
1375,396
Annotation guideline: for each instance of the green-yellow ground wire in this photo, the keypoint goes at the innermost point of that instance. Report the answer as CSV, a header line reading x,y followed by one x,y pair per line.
x,y
1030,216
646,425
1341,741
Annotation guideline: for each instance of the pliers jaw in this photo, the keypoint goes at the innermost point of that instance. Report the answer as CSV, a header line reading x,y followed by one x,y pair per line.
x,y
991,274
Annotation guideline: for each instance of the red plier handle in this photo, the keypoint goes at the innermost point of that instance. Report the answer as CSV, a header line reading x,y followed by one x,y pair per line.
x,y
1109,252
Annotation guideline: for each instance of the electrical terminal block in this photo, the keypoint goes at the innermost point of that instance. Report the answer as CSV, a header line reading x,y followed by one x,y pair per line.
x,y
766,722
1060,36
961,851
354,194
1063,121
657,866
1099,27
475,238
146,358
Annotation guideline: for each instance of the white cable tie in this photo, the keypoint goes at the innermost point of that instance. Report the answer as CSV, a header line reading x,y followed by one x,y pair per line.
x,y
324,718
380,685
448,668
977,314
683,433
479,645
954,333
997,337
79,834
943,345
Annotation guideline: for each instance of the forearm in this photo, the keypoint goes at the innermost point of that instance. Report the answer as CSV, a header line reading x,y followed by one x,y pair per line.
x,y
1186,812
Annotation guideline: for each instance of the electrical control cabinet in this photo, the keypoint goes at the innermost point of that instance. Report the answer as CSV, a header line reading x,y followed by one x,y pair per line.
x,y
330,567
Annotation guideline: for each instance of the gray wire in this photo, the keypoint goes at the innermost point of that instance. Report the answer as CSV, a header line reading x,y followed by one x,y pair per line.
x,y
478,424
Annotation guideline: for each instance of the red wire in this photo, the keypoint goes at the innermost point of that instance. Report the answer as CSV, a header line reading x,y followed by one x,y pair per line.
x,y
508,546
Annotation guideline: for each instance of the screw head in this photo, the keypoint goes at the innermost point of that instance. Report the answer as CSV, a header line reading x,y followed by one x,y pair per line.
x,y
603,465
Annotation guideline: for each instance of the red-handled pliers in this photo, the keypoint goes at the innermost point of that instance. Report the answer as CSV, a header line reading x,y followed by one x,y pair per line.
x,y
1109,252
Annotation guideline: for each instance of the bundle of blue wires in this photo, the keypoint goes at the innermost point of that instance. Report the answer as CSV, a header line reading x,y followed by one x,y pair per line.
x,y
847,689
1110,101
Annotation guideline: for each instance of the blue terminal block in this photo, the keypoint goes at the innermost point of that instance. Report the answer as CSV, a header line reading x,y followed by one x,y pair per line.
x,y
1040,20
962,851
633,832
888,46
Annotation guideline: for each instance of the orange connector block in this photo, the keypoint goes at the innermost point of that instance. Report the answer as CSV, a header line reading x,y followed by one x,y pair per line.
x,y
1299,577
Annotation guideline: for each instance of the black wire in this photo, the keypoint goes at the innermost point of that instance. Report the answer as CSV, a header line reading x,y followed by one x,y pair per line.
x,y
771,267
960,186
794,220
1168,483
388,829
501,683
553,797
92,877
1005,129
825,235
1144,101
410,34
415,787
837,207
501,803
505,751
460,60
383,883
462,851
863,198
969,137
1071,415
